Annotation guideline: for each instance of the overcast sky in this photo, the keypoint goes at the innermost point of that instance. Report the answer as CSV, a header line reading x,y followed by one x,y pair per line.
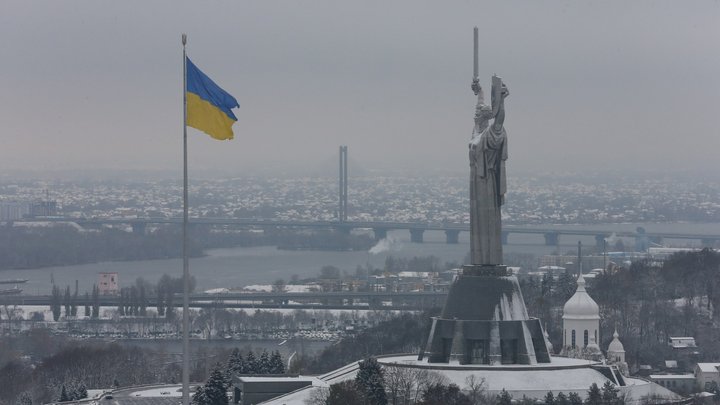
x,y
594,84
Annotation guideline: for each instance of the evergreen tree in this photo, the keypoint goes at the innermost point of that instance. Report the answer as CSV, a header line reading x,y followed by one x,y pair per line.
x,y
86,311
95,301
73,301
251,364
63,395
235,365
160,293
439,394
142,300
561,399
277,366
24,399
369,380
344,393
264,363
134,301
199,397
81,392
574,399
169,304
235,361
610,394
594,395
121,303
215,390
549,398
55,303
66,302
504,398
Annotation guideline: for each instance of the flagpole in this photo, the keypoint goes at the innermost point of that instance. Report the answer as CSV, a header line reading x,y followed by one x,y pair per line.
x,y
186,270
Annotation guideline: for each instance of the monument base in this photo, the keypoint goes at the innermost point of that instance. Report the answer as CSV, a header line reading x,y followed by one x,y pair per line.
x,y
484,321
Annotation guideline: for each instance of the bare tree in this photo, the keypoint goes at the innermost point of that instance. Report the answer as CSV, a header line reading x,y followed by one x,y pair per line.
x,y
318,396
476,390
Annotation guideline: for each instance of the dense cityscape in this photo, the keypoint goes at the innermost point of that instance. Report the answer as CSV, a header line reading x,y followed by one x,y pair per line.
x,y
647,198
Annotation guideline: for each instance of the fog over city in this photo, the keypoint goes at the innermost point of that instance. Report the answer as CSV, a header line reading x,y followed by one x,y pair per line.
x,y
379,231
594,85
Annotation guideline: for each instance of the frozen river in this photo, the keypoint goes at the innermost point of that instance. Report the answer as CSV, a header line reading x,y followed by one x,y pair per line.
x,y
237,267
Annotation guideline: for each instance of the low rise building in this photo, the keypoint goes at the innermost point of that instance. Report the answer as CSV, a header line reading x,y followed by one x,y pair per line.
x,y
678,383
707,375
108,284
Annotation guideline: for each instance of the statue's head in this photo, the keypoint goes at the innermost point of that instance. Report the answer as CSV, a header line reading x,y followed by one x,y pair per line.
x,y
483,114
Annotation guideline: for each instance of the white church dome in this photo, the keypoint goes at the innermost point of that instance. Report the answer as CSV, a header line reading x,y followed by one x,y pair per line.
x,y
616,346
581,305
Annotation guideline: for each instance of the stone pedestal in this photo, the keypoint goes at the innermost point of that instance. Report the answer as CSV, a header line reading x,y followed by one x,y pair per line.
x,y
485,321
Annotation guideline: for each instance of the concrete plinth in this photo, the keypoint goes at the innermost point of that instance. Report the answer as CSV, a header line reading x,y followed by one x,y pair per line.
x,y
484,321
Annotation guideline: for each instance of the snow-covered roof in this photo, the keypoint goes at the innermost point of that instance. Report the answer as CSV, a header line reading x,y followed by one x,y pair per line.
x,y
672,377
636,389
581,305
616,346
708,367
259,379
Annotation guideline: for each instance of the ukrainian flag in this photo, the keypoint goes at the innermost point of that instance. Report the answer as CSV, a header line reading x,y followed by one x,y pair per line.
x,y
208,106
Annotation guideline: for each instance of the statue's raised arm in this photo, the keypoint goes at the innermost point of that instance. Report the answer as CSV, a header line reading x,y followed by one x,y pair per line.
x,y
499,92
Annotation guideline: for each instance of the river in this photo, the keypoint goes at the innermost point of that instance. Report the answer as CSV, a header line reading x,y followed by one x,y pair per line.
x,y
241,266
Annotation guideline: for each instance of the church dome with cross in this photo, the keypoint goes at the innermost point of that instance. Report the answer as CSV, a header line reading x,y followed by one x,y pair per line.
x,y
581,318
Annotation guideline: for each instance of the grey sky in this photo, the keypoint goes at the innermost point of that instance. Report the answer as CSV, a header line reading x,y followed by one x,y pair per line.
x,y
594,84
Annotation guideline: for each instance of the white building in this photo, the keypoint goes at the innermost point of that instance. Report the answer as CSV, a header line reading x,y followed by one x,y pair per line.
x,y
581,319
108,284
706,374
616,354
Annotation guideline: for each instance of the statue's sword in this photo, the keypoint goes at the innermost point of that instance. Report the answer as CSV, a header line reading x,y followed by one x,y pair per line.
x,y
475,83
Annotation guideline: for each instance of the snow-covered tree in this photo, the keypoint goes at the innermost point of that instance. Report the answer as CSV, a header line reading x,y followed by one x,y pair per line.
x,y
610,394
264,363
549,398
504,398
369,381
63,395
574,398
594,395
199,397
251,364
561,399
215,388
277,366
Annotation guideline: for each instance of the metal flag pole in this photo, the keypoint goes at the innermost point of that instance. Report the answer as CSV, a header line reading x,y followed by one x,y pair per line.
x,y
186,270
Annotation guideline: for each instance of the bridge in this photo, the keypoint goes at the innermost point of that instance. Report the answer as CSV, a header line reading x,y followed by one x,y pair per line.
x,y
381,228
352,300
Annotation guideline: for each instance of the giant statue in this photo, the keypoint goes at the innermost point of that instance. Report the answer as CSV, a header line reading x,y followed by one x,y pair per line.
x,y
488,152
484,319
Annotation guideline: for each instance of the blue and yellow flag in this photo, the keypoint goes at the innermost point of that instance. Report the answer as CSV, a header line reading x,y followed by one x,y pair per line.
x,y
208,106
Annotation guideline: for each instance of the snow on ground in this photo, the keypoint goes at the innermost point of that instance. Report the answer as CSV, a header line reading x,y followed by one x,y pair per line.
x,y
291,288
168,391
94,394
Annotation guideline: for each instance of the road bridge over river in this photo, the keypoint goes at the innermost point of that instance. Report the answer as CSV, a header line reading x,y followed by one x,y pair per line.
x,y
380,229
409,301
